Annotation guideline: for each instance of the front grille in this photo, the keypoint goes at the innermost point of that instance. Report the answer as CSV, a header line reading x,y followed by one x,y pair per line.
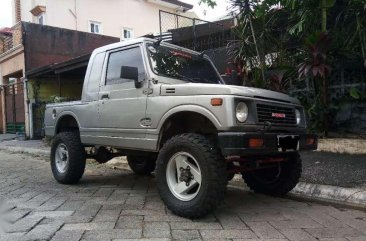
x,y
277,115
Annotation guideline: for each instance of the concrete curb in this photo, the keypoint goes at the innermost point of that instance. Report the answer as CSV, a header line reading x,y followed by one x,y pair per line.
x,y
349,197
355,197
27,150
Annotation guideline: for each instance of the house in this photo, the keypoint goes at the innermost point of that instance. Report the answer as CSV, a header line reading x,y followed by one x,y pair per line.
x,y
123,19
27,47
48,32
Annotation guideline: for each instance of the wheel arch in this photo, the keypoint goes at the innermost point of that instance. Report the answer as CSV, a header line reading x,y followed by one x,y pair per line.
x,y
200,119
67,121
190,108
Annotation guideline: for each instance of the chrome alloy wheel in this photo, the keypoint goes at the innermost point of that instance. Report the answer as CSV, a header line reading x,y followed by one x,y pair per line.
x,y
62,158
183,175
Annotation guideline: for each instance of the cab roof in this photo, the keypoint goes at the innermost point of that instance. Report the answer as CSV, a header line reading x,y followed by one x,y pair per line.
x,y
137,41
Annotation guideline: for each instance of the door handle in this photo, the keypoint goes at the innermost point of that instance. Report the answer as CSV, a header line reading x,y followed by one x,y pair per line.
x,y
105,96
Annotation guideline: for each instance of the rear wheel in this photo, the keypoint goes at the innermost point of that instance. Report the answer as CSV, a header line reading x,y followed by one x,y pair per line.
x,y
191,175
67,158
276,181
142,165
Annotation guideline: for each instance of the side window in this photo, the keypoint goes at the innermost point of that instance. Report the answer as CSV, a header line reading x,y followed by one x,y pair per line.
x,y
96,73
128,57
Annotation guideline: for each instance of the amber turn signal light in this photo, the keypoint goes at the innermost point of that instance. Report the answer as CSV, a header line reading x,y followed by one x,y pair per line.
x,y
255,142
216,102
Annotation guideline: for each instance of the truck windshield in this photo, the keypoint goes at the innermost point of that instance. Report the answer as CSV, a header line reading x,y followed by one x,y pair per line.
x,y
182,65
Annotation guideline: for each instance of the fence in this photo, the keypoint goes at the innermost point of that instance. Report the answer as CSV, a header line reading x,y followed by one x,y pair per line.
x,y
349,115
195,33
341,81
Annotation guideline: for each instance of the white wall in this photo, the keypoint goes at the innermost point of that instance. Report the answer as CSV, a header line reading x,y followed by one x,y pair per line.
x,y
25,7
136,14
59,13
141,16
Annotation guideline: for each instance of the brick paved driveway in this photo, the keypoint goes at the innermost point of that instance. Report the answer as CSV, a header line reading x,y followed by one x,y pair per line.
x,y
117,205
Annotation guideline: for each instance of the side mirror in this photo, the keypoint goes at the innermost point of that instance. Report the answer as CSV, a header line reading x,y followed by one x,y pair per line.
x,y
128,72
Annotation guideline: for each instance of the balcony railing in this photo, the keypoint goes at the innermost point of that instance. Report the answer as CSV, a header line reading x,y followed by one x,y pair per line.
x,y
13,40
195,33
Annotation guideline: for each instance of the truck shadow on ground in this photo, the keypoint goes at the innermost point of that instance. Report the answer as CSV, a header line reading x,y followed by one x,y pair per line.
x,y
143,188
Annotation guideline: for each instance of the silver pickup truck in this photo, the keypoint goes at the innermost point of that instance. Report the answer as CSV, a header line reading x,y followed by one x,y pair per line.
x,y
168,110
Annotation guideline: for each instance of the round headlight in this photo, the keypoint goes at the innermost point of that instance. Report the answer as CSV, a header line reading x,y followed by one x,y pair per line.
x,y
298,116
241,112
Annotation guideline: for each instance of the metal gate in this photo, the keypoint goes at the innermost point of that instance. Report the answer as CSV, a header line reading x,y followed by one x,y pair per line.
x,y
14,104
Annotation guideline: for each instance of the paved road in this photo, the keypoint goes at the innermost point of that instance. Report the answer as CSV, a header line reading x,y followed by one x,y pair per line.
x,y
320,167
342,170
117,205
7,137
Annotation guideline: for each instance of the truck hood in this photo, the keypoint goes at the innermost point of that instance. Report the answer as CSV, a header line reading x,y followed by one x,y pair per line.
x,y
190,89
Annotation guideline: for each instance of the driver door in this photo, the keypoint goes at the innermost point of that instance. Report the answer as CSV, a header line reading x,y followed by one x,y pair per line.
x,y
122,105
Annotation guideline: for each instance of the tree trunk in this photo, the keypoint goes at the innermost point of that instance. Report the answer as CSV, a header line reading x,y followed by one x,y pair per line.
x,y
324,16
325,81
257,49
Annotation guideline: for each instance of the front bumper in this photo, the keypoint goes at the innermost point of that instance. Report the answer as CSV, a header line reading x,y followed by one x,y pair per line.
x,y
238,143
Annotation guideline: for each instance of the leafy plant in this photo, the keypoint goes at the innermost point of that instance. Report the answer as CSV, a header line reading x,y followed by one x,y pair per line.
x,y
210,3
270,34
315,64
279,78
315,67
357,94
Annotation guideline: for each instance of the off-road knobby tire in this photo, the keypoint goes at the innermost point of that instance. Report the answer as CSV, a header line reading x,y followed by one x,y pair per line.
x,y
286,181
142,165
213,172
77,157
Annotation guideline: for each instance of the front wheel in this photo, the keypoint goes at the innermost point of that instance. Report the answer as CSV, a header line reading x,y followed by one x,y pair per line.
x,y
67,158
191,175
276,181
